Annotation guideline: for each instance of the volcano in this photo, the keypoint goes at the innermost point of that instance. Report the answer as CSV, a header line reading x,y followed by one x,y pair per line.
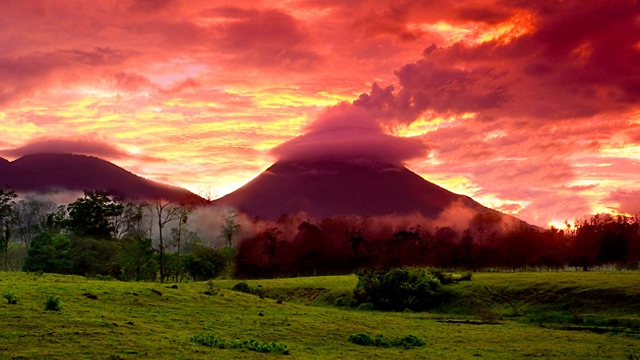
x,y
53,172
328,187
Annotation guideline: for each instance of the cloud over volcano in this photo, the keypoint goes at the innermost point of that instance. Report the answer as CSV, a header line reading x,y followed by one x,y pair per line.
x,y
348,131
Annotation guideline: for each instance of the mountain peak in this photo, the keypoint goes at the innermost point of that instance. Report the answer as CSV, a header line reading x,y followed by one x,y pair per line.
x,y
324,188
50,172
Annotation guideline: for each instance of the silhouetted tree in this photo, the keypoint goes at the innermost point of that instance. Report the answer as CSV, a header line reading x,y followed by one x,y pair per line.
x,y
31,217
272,242
93,215
229,227
7,219
355,237
165,213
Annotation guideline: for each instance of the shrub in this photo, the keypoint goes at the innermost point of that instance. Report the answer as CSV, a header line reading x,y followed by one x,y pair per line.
x,y
242,287
52,304
251,344
407,342
361,339
398,289
245,288
11,298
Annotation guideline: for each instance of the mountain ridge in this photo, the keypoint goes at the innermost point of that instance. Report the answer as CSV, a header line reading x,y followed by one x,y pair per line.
x,y
55,171
324,188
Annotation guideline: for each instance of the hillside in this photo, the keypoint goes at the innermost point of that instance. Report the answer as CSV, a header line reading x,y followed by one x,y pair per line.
x,y
50,172
117,320
326,188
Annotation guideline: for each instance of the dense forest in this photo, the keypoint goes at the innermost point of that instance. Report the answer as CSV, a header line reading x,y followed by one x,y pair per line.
x,y
98,235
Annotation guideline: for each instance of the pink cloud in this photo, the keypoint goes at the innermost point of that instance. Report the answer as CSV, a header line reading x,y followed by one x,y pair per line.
x,y
95,147
624,201
59,145
347,131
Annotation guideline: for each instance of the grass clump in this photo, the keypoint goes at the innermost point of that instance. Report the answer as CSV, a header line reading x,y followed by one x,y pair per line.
x,y
213,340
407,342
52,304
11,298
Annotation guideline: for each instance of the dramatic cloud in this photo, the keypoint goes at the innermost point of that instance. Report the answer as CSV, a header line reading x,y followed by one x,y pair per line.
x,y
347,131
69,146
519,104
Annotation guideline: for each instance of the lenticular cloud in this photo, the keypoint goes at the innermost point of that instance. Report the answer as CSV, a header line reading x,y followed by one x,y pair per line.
x,y
349,131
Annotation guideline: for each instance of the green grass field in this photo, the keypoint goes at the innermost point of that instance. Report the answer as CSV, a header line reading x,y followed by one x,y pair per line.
x,y
564,315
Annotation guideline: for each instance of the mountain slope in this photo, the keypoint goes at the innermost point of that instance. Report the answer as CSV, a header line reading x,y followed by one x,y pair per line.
x,y
324,188
46,172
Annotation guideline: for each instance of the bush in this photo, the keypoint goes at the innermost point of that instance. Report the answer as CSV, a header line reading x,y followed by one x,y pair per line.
x,y
245,288
251,344
398,289
361,339
52,304
407,342
11,298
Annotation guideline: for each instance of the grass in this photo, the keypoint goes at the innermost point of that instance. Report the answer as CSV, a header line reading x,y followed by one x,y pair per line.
x,y
117,320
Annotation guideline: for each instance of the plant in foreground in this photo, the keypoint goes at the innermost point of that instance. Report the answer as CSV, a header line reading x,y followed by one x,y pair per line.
x,y
52,304
11,298
251,344
407,342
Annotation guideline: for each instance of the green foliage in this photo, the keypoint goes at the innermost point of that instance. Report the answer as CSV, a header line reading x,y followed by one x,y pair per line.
x,y
213,340
11,298
49,252
137,261
312,329
198,268
361,339
407,342
398,289
243,287
206,263
94,256
92,215
228,254
449,278
52,304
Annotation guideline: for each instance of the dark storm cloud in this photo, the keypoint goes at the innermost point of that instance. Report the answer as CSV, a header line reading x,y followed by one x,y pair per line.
x,y
579,61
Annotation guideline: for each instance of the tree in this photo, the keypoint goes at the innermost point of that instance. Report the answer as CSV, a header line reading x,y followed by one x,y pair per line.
x,y
7,219
271,238
229,227
49,252
32,217
355,236
180,233
137,260
133,219
93,215
165,214
92,257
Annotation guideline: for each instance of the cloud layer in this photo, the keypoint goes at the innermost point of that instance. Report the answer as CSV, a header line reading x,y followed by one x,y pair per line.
x,y
528,106
347,131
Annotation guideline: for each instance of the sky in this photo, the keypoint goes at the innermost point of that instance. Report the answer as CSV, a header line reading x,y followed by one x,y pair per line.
x,y
529,107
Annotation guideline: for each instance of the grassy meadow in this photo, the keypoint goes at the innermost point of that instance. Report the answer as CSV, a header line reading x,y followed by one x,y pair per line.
x,y
565,315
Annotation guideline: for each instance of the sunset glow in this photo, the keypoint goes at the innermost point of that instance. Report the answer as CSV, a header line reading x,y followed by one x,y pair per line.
x,y
532,108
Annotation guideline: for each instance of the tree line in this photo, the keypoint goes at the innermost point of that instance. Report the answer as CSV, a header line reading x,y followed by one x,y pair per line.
x,y
99,235
342,245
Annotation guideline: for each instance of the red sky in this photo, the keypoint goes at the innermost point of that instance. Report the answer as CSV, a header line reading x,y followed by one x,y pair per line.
x,y
530,107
